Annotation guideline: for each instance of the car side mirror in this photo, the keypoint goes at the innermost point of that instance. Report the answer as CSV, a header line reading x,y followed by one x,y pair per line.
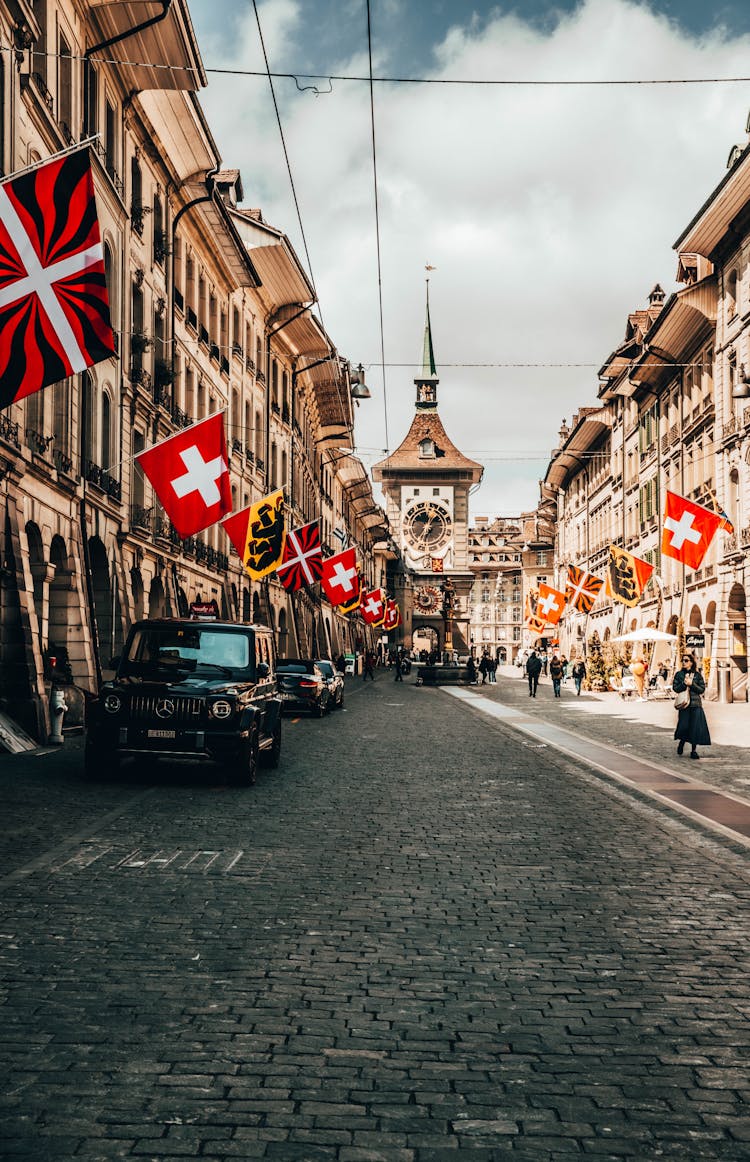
x,y
263,670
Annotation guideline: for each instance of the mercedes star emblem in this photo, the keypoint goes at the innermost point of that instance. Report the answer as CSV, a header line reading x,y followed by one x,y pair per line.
x,y
164,708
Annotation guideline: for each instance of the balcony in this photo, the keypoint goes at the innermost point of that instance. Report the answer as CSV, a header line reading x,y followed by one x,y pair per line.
x,y
213,352
140,517
63,463
9,431
137,215
730,428
250,364
179,299
38,443
102,480
191,319
730,544
224,365
180,418
138,376
203,335
745,537
37,81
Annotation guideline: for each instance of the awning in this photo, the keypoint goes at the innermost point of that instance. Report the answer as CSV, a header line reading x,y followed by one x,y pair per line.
x,y
164,55
689,317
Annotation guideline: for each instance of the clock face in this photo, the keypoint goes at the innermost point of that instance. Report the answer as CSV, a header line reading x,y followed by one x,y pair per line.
x,y
427,599
427,526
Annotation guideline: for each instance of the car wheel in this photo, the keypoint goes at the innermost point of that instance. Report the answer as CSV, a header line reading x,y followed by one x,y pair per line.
x,y
248,769
271,757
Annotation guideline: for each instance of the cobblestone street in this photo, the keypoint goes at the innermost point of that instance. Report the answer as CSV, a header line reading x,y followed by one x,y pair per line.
x,y
422,937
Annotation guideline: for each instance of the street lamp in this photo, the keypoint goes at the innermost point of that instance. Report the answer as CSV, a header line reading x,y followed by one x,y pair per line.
x,y
359,388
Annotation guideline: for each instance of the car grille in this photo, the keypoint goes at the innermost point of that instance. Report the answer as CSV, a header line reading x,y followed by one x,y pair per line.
x,y
186,712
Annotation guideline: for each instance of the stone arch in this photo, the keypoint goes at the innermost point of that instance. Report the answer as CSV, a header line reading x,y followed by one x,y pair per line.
x,y
696,618
102,590
38,567
136,582
672,624
61,605
157,604
711,615
246,607
257,620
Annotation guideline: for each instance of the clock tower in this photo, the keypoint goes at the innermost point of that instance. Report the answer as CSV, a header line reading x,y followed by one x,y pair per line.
x,y
426,482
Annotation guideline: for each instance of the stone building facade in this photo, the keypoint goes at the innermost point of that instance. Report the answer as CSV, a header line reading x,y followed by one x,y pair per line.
x,y
212,311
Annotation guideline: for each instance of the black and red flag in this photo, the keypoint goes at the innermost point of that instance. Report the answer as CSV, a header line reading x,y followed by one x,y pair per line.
x,y
54,310
302,563
582,589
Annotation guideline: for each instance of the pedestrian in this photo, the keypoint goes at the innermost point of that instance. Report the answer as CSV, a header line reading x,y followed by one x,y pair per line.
x,y
545,661
471,671
399,664
484,667
493,670
533,670
341,664
691,720
566,669
556,674
579,673
369,668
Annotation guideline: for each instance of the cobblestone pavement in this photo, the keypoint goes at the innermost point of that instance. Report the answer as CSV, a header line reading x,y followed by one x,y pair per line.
x,y
646,728
420,939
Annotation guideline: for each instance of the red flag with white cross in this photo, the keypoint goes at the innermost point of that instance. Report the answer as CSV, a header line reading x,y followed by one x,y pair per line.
x,y
54,310
302,563
190,475
392,619
689,529
372,607
340,579
550,604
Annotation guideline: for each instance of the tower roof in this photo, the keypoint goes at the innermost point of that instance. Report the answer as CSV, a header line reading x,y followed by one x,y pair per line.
x,y
426,426
429,370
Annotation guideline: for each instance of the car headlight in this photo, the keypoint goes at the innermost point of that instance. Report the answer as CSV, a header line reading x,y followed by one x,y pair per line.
x,y
221,708
112,703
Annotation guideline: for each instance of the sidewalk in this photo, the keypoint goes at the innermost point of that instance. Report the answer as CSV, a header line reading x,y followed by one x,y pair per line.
x,y
644,728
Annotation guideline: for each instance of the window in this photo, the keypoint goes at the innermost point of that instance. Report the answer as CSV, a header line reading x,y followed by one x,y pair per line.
x,y
110,136
136,195
732,294
427,449
65,88
91,98
436,492
105,441
139,492
160,246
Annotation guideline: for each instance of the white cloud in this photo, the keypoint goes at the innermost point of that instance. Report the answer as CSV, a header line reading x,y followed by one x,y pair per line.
x,y
548,211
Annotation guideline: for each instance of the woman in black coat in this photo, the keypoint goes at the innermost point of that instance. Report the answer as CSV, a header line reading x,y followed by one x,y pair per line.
x,y
691,722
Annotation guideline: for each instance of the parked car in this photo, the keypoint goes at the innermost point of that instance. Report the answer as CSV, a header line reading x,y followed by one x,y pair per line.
x,y
334,680
302,686
188,690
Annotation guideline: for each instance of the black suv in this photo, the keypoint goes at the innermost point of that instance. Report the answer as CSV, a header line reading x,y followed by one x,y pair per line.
x,y
189,690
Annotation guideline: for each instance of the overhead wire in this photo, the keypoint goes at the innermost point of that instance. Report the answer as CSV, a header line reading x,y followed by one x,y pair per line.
x,y
377,224
469,82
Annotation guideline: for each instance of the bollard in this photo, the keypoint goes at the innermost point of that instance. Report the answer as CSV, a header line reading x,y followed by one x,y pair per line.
x,y
57,708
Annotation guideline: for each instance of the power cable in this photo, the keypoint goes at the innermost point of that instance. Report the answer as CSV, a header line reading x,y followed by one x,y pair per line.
x,y
377,225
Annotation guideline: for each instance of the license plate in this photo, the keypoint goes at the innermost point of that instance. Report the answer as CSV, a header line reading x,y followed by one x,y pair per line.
x,y
162,734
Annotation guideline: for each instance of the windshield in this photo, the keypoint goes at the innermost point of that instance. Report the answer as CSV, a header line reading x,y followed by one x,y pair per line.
x,y
188,649
326,667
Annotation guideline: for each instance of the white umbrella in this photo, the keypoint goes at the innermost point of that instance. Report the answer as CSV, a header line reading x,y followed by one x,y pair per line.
x,y
648,634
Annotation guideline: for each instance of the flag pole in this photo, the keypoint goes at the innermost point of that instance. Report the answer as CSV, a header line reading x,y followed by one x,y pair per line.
x,y
53,157
181,432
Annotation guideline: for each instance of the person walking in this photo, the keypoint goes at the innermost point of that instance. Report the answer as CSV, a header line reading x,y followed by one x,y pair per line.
x,y
556,674
493,670
471,671
484,666
579,673
399,664
691,720
566,669
533,670
369,669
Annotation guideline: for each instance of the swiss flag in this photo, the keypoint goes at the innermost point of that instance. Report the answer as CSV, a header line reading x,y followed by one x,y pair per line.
x,y
190,475
689,529
550,604
54,311
392,619
340,580
372,607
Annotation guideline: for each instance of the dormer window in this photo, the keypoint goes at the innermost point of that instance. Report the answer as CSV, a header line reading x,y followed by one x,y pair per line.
x,y
427,449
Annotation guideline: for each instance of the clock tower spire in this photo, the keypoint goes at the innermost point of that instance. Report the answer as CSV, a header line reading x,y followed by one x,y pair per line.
x,y
427,382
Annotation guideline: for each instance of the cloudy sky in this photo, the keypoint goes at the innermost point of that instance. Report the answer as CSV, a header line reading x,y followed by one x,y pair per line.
x,y
547,209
